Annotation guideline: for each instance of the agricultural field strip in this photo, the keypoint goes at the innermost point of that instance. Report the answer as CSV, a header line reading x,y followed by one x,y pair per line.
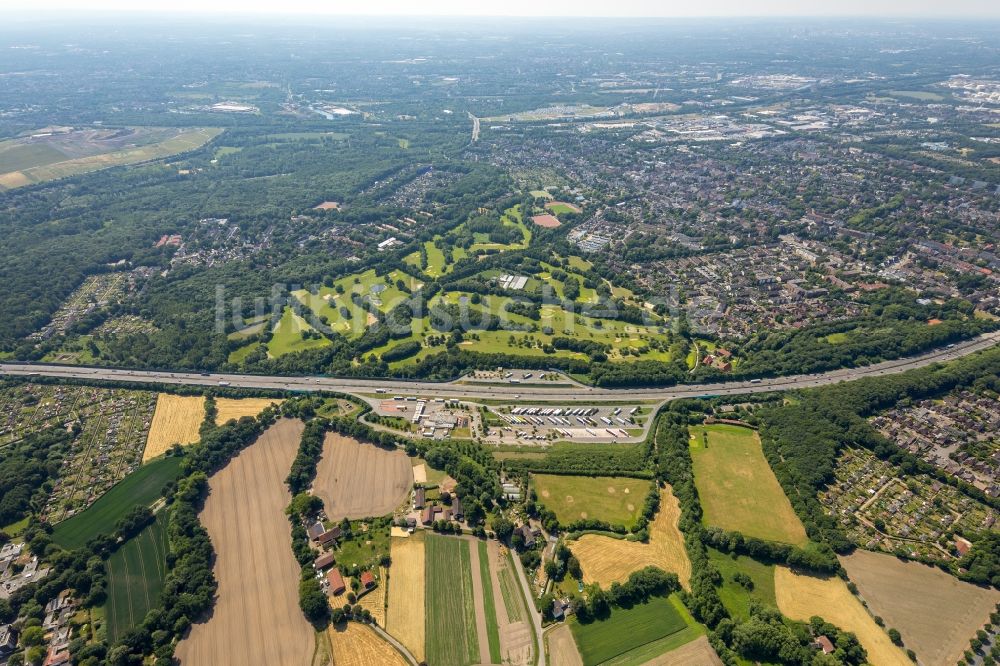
x,y
484,605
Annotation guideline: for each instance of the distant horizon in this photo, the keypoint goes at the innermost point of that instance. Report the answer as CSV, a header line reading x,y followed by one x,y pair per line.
x,y
528,9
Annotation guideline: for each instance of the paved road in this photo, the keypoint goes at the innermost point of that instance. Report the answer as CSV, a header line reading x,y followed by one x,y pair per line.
x,y
475,127
366,388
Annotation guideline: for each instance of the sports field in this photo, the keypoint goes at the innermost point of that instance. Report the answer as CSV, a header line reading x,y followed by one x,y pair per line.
x,y
616,500
141,487
449,607
737,488
800,597
560,207
176,421
935,612
135,577
229,408
256,618
406,592
628,629
26,161
735,597
605,560
355,644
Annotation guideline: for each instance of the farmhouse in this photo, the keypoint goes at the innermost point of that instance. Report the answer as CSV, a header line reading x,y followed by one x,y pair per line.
x,y
419,497
316,530
824,644
367,580
336,582
427,516
329,537
529,534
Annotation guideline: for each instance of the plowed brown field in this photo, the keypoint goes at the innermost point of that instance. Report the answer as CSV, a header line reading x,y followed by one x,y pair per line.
x,y
357,480
936,613
256,617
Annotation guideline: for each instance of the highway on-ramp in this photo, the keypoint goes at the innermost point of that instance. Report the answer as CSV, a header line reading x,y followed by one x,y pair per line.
x,y
527,393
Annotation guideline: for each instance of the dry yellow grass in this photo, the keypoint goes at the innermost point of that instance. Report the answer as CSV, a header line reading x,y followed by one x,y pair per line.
x,y
800,597
358,645
605,560
405,617
374,601
175,421
229,408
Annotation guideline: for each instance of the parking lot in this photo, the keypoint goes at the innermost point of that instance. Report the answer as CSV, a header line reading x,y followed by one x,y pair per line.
x,y
541,424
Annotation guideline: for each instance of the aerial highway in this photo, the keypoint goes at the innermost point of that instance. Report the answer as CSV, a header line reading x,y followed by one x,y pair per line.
x,y
371,389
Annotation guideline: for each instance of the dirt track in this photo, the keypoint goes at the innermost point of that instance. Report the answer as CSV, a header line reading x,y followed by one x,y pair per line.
x,y
357,480
256,617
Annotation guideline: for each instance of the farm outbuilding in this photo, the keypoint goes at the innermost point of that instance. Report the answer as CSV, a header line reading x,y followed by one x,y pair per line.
x,y
336,582
367,580
323,561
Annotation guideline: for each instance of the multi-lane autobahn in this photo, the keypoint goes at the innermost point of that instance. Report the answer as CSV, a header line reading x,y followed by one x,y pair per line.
x,y
521,393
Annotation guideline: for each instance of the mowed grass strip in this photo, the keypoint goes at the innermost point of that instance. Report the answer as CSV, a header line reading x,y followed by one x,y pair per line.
x,y
489,603
735,597
626,629
135,577
738,489
451,638
510,591
616,500
141,487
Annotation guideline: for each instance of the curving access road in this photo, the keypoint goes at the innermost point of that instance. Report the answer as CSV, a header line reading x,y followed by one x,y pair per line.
x,y
371,389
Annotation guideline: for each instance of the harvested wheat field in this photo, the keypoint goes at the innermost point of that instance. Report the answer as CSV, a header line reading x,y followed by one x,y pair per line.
x,y
357,480
698,652
374,600
801,596
358,645
605,560
935,612
256,618
405,617
229,408
562,648
175,421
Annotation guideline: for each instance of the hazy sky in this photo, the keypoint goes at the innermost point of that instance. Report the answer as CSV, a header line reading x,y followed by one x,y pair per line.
x,y
664,8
